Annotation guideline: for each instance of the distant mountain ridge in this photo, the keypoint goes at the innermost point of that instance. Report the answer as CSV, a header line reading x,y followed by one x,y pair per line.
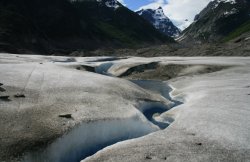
x,y
218,20
160,21
63,26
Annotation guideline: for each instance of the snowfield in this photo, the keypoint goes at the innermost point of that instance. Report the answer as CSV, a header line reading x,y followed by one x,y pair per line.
x,y
62,109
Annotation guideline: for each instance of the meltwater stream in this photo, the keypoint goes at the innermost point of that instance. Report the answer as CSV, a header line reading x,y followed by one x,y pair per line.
x,y
150,108
88,138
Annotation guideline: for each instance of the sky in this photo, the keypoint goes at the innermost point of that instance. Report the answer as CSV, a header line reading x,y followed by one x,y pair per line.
x,y
181,12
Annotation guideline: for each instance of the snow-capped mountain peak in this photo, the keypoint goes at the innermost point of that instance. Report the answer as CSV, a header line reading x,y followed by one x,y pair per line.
x,y
111,3
159,14
160,21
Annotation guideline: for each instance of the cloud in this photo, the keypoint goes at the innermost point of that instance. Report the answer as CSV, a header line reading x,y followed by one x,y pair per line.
x,y
181,12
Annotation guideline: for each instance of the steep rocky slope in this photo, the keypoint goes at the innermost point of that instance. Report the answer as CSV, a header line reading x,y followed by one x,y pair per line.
x,y
218,20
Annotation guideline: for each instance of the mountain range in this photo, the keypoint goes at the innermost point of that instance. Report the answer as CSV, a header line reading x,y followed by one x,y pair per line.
x,y
63,26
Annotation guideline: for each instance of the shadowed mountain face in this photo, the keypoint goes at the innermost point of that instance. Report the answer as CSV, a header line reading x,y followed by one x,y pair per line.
x,y
62,26
160,21
218,20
